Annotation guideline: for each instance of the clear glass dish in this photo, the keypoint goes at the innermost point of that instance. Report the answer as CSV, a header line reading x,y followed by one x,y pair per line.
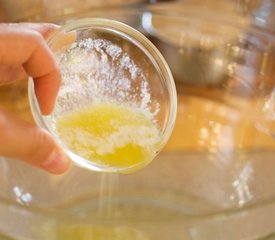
x,y
107,66
215,178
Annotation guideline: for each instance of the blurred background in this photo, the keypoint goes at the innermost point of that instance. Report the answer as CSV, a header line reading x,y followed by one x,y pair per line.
x,y
40,10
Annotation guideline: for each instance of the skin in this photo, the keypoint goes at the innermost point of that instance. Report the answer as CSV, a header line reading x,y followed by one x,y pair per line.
x,y
23,53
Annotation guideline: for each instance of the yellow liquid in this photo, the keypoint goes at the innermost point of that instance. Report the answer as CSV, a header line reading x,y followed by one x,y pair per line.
x,y
110,135
97,232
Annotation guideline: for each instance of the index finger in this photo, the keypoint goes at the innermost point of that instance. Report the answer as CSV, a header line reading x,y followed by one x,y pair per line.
x,y
45,29
24,46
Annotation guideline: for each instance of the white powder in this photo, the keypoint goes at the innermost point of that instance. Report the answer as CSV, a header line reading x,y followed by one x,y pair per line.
x,y
96,70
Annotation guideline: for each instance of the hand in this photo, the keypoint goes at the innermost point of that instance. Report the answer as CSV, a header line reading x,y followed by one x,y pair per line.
x,y
24,52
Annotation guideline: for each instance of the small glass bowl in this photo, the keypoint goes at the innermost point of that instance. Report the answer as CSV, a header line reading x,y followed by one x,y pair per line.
x,y
104,60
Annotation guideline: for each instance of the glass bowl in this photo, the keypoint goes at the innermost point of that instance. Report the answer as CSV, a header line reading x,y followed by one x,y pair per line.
x,y
213,180
112,70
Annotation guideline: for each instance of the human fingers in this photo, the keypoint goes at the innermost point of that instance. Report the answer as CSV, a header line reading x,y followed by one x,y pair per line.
x,y
27,142
11,73
45,29
22,45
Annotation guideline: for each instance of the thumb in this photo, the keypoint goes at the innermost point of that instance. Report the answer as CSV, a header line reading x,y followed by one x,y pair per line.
x,y
27,142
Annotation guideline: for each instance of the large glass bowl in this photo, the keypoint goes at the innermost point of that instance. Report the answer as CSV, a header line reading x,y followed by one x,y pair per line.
x,y
215,178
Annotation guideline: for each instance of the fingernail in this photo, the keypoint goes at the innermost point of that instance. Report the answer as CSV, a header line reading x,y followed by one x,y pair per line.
x,y
57,162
